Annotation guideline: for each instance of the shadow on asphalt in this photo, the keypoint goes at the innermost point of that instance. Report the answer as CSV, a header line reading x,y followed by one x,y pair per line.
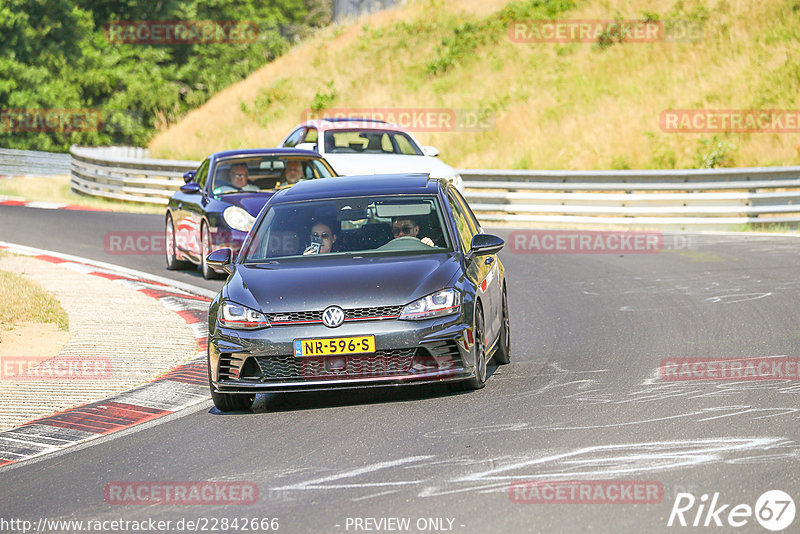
x,y
314,400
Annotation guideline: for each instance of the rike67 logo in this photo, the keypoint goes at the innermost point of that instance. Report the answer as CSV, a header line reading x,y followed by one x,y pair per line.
x,y
774,510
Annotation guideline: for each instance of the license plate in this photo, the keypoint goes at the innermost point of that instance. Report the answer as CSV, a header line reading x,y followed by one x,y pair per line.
x,y
334,346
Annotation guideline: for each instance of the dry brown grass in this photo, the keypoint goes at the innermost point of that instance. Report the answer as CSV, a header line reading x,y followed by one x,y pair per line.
x,y
25,302
558,106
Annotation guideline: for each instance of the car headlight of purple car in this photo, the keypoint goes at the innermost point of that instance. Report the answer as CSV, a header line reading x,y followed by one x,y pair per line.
x,y
238,219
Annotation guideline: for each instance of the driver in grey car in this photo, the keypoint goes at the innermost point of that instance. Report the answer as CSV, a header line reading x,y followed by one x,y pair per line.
x,y
408,227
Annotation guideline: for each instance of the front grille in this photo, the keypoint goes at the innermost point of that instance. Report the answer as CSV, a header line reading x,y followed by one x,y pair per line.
x,y
230,365
375,313
278,319
440,355
443,349
382,363
276,367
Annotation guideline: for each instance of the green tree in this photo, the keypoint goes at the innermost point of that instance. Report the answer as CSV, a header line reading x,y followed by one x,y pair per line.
x,y
54,54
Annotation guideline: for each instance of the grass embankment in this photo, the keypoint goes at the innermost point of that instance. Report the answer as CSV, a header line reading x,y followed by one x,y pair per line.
x,y
556,106
56,189
24,302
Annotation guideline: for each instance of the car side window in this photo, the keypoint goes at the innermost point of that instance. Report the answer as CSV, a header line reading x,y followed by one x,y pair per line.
x,y
386,143
463,229
406,146
476,226
320,170
294,138
311,136
202,173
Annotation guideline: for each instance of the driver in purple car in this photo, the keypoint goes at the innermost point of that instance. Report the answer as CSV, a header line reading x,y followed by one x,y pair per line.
x,y
240,178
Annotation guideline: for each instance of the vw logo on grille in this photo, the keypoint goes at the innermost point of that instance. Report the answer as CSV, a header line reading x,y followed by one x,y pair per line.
x,y
333,316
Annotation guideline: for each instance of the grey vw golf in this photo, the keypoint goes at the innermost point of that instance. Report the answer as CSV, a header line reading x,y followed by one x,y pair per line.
x,y
356,282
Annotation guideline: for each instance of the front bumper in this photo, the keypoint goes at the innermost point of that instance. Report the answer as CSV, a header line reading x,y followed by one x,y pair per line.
x,y
407,352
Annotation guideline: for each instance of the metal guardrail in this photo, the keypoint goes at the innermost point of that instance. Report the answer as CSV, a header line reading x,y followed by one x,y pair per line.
x,y
32,163
709,198
124,173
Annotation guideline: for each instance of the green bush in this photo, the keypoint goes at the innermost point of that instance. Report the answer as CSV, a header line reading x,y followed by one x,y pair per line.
x,y
269,102
324,99
465,37
56,56
714,152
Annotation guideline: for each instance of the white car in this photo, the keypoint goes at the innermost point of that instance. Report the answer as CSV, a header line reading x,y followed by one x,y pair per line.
x,y
355,146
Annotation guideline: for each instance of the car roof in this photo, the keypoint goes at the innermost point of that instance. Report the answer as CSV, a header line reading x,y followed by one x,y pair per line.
x,y
352,119
351,186
266,151
351,123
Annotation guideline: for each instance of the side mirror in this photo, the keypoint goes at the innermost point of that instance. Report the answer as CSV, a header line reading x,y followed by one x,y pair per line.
x,y
191,187
431,151
221,258
484,245
188,176
307,146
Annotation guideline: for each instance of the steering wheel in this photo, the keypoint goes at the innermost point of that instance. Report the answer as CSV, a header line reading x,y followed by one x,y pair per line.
x,y
405,242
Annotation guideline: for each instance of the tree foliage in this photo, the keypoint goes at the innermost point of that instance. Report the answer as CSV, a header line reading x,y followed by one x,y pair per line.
x,y
55,55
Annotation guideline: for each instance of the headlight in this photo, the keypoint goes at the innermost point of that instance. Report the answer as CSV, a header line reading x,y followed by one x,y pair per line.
x,y
241,317
238,219
439,304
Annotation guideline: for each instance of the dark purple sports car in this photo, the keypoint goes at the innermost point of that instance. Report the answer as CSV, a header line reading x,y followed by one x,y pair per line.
x,y
217,205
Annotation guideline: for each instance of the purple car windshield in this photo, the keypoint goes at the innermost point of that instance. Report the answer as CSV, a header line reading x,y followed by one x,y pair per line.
x,y
253,173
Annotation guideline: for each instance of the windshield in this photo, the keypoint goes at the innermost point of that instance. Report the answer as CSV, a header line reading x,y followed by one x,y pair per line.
x,y
252,173
370,142
371,225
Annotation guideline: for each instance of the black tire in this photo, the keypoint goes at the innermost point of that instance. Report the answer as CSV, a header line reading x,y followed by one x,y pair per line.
x,y
170,251
232,402
503,354
205,250
229,402
479,379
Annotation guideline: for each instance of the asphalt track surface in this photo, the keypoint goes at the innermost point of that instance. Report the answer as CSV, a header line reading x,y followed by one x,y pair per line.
x,y
582,400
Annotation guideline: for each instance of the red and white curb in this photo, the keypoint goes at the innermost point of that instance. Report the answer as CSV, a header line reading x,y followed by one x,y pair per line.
x,y
180,388
13,201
